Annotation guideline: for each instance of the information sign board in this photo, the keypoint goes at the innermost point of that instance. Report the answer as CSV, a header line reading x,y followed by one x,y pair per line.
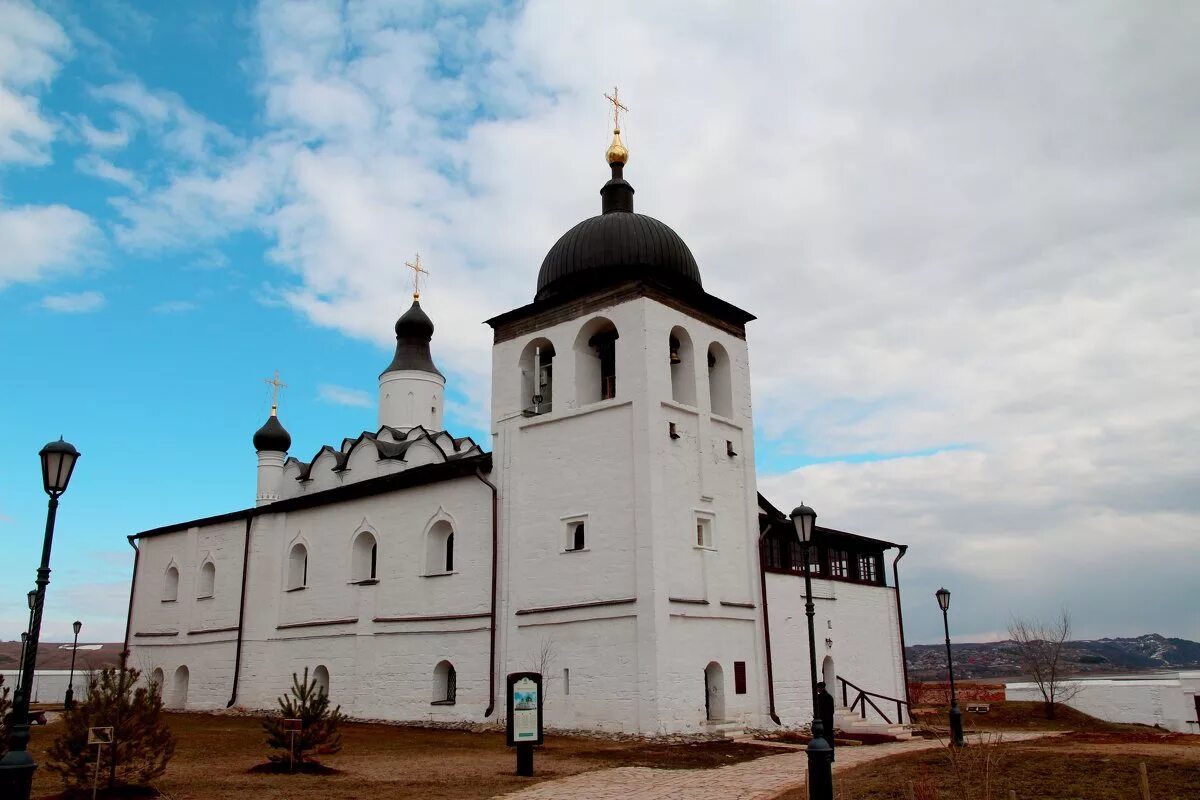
x,y
100,735
524,708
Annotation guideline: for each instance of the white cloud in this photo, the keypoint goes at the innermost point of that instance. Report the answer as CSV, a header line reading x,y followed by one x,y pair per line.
x,y
105,170
943,246
343,396
114,139
31,47
180,130
39,241
76,303
175,307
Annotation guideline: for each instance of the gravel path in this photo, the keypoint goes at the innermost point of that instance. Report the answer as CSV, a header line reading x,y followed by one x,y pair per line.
x,y
760,779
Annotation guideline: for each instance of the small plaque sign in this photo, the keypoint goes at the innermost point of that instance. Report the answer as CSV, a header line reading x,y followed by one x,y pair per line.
x,y
524,708
100,735
293,724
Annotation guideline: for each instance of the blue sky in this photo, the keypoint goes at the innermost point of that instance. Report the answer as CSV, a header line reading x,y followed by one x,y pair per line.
x,y
977,309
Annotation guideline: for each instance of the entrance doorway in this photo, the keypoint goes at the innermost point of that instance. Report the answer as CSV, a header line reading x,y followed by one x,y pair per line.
x,y
829,676
714,692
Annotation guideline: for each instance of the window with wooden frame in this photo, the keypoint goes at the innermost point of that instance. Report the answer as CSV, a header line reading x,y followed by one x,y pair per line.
x,y
868,568
839,563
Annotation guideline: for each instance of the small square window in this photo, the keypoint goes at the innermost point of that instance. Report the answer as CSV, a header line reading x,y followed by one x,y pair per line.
x,y
575,533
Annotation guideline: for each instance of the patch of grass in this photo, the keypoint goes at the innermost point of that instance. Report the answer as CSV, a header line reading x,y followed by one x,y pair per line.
x,y
1023,715
1069,772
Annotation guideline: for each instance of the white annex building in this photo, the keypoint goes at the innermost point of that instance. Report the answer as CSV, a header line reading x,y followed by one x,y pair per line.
x,y
613,539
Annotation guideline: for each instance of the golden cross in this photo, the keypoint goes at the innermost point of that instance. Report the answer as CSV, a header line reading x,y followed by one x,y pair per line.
x,y
275,387
417,273
615,99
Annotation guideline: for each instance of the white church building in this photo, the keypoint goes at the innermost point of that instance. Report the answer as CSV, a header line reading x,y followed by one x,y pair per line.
x,y
613,539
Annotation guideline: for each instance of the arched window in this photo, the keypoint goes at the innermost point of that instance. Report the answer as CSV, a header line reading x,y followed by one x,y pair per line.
x,y
537,378
208,580
179,688
171,585
364,559
596,362
321,678
720,386
439,549
445,684
683,367
156,681
297,567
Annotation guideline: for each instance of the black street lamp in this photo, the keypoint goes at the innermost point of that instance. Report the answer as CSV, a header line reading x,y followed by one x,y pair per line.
x,y
820,754
21,665
69,701
956,730
17,766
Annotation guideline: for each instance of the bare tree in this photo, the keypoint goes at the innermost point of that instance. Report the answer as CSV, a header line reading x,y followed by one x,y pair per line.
x,y
1040,649
542,661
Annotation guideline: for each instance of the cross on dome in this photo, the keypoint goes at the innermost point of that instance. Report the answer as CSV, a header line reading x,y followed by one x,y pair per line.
x,y
418,271
617,152
275,385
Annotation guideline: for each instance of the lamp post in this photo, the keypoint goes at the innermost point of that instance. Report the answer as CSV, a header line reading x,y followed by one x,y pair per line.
x,y
21,665
820,754
69,700
956,730
17,766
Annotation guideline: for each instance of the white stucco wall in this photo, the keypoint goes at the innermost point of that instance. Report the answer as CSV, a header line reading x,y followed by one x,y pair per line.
x,y
864,642
1165,701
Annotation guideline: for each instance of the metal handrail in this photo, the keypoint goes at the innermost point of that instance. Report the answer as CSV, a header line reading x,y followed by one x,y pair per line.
x,y
864,697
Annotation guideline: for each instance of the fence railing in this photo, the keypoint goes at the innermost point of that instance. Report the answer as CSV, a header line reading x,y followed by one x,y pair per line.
x,y
863,698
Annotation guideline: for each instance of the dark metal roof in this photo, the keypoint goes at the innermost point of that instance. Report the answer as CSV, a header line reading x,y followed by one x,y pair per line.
x,y
272,436
417,476
775,515
413,332
619,242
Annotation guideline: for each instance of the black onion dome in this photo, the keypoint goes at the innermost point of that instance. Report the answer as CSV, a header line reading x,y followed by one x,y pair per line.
x,y
272,436
413,331
616,245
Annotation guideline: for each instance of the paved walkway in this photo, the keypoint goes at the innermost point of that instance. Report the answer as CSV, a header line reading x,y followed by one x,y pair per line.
x,y
760,779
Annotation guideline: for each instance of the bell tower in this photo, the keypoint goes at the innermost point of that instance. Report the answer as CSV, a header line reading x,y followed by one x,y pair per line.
x,y
629,522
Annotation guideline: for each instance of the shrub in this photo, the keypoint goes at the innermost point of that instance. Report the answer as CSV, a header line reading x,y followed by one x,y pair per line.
x,y
319,726
143,743
5,710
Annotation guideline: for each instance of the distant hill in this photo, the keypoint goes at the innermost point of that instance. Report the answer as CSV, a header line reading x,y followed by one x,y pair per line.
x,y
52,655
1148,653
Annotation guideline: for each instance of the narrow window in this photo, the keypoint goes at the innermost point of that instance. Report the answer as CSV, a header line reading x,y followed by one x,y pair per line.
x,y
720,386
297,567
537,378
445,684
704,533
439,549
364,558
566,681
208,580
682,362
674,434
739,677
596,362
171,585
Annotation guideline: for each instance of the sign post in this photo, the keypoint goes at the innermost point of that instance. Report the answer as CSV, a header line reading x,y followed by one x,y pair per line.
x,y
98,737
292,726
524,699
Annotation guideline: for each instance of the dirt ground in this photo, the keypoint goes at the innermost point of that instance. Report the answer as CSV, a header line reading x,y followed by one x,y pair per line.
x,y
1020,715
214,756
1083,766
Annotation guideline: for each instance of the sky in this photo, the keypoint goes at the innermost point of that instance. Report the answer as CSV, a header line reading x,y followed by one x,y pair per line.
x,y
970,233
